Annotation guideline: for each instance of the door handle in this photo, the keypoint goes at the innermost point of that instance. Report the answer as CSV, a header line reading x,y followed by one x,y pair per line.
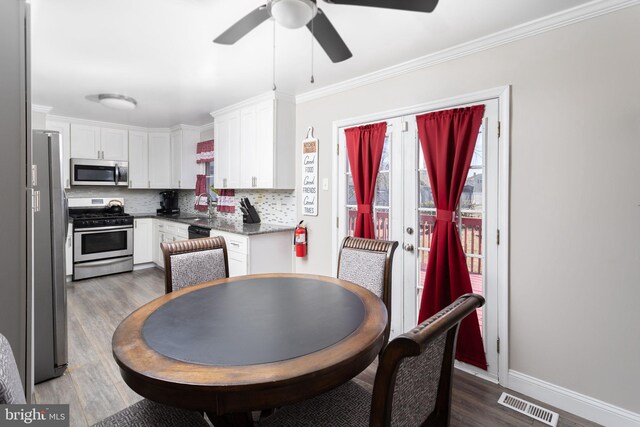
x,y
408,247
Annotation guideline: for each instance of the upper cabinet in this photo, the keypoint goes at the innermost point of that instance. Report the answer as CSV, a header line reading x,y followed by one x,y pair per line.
x,y
255,143
138,159
226,131
184,142
93,142
159,160
114,144
63,128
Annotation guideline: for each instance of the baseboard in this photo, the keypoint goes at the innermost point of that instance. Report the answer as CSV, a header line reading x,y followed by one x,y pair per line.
x,y
144,266
583,406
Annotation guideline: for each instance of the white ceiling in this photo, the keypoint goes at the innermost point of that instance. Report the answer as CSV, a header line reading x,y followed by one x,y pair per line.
x,y
161,52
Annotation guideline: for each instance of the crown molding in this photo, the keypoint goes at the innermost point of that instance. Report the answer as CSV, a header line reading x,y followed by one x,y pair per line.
x,y
206,127
247,102
529,29
99,123
41,108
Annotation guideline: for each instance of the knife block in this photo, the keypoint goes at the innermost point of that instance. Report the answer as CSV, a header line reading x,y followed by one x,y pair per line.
x,y
251,217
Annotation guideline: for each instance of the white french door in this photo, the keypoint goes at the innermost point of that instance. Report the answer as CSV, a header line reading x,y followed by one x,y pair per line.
x,y
404,211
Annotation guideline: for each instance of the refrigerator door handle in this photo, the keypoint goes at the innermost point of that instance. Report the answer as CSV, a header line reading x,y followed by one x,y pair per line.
x,y
66,212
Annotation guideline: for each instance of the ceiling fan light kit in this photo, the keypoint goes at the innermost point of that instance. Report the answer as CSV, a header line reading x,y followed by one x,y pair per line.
x,y
297,13
117,102
293,13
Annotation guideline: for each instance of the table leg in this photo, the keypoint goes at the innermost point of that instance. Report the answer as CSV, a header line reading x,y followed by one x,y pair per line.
x,y
244,419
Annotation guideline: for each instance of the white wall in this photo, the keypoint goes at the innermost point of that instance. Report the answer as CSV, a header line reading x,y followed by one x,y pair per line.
x,y
575,193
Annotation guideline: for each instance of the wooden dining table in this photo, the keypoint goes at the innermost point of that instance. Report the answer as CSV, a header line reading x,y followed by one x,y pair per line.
x,y
248,343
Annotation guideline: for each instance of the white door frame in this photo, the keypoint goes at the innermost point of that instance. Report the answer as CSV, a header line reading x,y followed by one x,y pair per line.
x,y
503,94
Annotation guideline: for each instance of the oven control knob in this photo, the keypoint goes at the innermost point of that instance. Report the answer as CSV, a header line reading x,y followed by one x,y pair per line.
x,y
95,222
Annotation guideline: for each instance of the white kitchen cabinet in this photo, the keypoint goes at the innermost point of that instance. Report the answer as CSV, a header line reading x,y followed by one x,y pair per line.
x,y
159,160
258,253
156,253
85,142
64,128
183,158
227,150
68,249
138,159
167,231
93,142
255,143
114,144
142,240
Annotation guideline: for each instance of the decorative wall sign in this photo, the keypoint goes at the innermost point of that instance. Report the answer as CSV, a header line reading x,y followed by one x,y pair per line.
x,y
310,174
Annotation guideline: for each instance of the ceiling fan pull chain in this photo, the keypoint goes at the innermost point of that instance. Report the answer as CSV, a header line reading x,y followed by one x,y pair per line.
x,y
274,56
312,36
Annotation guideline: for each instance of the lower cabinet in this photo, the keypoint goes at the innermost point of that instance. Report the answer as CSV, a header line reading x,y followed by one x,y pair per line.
x,y
166,231
142,240
258,253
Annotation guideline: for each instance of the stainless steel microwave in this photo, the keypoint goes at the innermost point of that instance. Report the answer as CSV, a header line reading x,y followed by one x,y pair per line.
x,y
99,172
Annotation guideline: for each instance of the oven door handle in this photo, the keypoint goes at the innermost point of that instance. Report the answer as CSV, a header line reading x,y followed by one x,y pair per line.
x,y
110,228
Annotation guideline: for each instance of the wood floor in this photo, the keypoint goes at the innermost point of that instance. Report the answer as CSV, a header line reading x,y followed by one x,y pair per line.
x,y
93,388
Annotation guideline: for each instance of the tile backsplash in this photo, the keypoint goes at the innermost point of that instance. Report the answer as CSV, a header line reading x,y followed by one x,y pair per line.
x,y
273,206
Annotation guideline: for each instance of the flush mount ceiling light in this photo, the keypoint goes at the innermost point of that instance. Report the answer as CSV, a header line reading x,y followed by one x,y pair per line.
x,y
118,102
293,13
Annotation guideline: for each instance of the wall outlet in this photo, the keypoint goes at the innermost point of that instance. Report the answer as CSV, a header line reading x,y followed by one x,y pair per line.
x,y
325,183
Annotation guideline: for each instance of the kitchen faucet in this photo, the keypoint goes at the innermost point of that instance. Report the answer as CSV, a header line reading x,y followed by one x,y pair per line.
x,y
209,203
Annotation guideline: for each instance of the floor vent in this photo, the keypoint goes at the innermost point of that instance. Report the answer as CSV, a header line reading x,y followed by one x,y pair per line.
x,y
529,409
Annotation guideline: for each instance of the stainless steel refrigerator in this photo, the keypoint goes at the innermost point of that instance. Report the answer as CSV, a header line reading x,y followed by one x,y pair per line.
x,y
50,222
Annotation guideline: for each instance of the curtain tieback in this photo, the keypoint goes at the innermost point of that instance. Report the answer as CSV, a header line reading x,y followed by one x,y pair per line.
x,y
444,215
364,208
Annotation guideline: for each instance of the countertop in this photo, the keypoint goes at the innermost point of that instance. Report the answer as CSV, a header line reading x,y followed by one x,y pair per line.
x,y
220,224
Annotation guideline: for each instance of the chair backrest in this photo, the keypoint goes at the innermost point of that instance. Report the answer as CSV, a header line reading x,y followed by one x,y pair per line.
x,y
11,390
368,262
413,381
195,261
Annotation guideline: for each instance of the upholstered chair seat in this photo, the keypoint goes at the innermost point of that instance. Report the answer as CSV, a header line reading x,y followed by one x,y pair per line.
x,y
195,261
412,387
11,391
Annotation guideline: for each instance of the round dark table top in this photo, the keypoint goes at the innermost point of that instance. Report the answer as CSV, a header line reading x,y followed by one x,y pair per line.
x,y
251,342
251,321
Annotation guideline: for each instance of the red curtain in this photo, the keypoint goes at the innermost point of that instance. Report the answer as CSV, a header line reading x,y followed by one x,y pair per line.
x,y
204,151
448,139
364,149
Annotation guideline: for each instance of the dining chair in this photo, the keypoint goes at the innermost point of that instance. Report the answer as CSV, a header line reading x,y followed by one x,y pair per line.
x,y
141,414
195,261
412,386
11,390
368,262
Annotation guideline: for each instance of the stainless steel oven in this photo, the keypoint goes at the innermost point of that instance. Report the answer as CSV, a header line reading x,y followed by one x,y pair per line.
x,y
102,242
102,250
99,172
102,237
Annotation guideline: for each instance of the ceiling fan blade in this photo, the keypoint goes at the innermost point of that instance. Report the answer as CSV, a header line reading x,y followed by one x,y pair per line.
x,y
244,26
412,5
329,39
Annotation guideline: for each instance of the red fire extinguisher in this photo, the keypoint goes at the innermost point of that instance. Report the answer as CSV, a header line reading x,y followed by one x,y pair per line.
x,y
300,240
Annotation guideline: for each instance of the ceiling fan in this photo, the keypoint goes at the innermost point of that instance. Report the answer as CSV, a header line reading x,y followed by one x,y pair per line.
x,y
296,13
